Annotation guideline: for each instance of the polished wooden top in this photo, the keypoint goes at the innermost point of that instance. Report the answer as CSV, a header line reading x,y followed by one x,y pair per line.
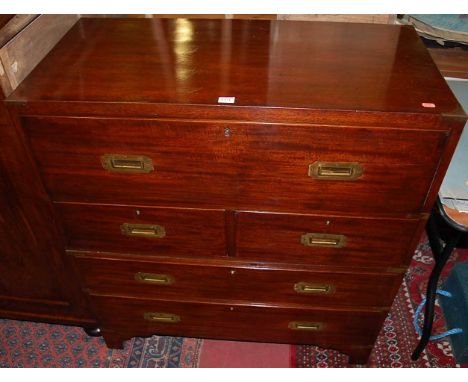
x,y
452,62
279,64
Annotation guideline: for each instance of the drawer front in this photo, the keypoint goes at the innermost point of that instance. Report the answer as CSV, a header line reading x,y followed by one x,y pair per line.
x,y
153,231
181,163
324,240
144,317
185,280
326,168
235,165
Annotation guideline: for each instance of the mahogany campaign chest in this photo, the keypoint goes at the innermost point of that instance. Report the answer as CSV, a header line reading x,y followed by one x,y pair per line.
x,y
245,180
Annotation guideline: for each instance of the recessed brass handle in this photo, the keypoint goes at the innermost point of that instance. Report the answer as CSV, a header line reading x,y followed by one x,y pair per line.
x,y
335,170
152,278
161,317
127,163
143,230
323,240
311,288
313,326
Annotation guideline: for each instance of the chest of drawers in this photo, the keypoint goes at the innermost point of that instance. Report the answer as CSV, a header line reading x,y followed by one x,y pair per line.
x,y
287,215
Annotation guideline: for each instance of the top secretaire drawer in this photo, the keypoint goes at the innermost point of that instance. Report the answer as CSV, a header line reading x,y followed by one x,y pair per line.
x,y
273,167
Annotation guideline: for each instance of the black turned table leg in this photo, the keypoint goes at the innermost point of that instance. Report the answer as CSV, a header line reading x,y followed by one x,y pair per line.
x,y
440,261
433,236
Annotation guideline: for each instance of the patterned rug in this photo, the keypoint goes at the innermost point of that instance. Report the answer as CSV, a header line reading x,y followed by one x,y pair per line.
x,y
29,344
397,338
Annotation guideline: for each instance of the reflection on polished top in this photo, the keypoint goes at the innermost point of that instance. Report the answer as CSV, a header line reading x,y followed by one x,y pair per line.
x,y
287,64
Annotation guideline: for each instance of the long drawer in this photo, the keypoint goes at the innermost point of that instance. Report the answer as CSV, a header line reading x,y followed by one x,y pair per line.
x,y
298,168
231,281
144,230
324,240
130,317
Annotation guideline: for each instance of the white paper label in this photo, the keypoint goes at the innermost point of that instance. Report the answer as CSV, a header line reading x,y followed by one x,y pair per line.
x,y
226,99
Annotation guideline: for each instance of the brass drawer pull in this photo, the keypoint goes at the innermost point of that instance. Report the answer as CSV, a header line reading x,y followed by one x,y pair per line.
x,y
161,317
152,278
143,230
127,163
313,326
335,170
323,240
309,288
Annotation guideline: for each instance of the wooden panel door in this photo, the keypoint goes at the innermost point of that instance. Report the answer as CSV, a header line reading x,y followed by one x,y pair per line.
x,y
36,281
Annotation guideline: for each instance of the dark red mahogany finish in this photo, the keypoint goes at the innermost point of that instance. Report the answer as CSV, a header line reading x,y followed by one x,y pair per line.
x,y
255,165
37,282
188,232
218,280
123,317
246,222
261,63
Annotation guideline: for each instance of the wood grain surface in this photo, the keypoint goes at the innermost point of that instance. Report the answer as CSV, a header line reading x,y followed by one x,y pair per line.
x,y
24,51
234,281
452,62
369,242
188,232
232,184
261,63
235,166
36,281
122,318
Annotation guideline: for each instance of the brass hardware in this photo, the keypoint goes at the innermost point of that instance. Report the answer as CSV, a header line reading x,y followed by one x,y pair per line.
x,y
161,317
143,230
335,170
313,326
151,278
323,240
309,288
127,163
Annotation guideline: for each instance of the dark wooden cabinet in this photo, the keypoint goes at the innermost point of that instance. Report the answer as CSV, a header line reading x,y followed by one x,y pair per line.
x,y
172,212
36,281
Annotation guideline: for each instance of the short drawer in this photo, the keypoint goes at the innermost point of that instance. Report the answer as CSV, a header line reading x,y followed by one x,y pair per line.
x,y
324,240
143,230
145,317
226,280
277,167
